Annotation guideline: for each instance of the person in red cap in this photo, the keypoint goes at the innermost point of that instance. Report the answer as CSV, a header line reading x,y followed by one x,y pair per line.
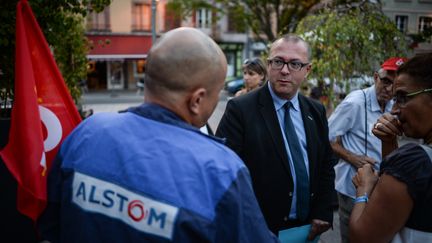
x,y
350,135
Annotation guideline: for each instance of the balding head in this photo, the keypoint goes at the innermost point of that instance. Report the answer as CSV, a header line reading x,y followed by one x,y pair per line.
x,y
294,39
185,71
182,59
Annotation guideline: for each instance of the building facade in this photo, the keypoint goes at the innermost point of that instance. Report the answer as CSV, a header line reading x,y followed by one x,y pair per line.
x,y
412,17
119,40
121,36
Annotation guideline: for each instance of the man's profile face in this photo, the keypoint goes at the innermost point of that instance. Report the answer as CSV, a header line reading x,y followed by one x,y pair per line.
x,y
285,82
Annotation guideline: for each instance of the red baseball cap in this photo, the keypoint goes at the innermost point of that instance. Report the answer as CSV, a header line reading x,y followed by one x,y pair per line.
x,y
393,63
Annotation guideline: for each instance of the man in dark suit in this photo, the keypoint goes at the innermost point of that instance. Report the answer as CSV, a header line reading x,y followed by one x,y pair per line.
x,y
294,185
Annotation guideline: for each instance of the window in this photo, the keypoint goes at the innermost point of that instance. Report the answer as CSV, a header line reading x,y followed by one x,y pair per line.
x,y
203,18
99,21
141,17
424,23
402,23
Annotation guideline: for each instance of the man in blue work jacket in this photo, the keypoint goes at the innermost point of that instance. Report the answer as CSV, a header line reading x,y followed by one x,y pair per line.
x,y
149,174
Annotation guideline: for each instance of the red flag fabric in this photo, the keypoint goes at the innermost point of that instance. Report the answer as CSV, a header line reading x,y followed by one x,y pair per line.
x,y
43,114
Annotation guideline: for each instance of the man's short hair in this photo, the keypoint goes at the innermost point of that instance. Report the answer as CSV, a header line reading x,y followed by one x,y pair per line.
x,y
290,37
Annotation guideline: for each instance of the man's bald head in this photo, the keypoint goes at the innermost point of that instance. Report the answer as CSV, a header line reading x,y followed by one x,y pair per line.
x,y
181,60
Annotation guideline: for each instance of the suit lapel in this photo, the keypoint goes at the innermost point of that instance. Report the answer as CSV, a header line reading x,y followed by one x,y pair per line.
x,y
311,136
268,112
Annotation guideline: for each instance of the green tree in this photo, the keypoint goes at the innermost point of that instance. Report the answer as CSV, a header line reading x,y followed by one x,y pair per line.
x,y
267,19
350,40
62,24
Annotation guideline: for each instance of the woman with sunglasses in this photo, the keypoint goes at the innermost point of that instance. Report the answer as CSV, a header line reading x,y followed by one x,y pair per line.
x,y
254,74
397,206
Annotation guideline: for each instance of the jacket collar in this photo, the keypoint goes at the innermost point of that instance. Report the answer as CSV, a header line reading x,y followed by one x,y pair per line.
x,y
158,113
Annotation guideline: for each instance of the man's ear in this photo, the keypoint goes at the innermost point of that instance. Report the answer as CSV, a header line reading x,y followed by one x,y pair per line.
x,y
196,100
376,76
308,69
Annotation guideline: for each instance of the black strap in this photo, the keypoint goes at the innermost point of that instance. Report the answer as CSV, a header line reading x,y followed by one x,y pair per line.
x,y
366,127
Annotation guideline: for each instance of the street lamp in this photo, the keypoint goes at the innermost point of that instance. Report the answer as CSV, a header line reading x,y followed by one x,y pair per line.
x,y
153,20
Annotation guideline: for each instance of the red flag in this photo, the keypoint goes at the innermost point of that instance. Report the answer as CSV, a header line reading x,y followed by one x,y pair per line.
x,y
43,114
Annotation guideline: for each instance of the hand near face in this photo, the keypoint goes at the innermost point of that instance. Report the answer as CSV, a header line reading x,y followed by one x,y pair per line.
x,y
387,128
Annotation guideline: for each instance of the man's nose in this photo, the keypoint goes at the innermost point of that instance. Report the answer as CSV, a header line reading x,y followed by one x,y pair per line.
x,y
395,109
285,69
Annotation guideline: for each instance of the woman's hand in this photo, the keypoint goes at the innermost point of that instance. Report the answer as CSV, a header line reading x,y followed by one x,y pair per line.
x,y
365,180
387,128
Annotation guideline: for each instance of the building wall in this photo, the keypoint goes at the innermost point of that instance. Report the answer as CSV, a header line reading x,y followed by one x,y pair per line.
x,y
233,43
120,16
414,10
115,67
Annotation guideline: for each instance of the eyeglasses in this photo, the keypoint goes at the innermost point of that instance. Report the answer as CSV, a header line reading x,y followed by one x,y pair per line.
x,y
402,99
386,81
278,64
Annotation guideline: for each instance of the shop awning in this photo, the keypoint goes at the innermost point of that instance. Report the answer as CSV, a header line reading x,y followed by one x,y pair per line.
x,y
118,47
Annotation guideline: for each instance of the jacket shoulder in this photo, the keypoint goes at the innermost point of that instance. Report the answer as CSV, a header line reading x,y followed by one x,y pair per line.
x,y
311,103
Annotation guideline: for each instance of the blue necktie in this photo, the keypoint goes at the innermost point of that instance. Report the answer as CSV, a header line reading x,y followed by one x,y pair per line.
x,y
302,179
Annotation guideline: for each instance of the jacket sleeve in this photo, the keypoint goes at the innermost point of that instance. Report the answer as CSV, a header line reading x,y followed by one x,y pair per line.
x,y
238,216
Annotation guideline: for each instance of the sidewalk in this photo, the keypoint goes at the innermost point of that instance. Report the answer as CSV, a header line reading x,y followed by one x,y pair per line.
x,y
110,101
332,235
114,101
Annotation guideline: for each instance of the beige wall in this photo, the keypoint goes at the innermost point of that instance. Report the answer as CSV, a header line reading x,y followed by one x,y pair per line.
x,y
120,16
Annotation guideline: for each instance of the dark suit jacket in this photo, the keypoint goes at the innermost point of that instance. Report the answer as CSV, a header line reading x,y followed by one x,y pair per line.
x,y
252,130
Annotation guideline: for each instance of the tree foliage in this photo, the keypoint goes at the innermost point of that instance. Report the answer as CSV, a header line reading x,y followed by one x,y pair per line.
x,y
62,22
267,19
348,41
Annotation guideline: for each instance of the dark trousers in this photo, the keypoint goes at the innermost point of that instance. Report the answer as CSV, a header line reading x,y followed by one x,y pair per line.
x,y
346,205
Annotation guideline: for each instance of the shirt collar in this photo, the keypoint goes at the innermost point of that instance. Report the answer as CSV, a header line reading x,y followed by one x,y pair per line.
x,y
279,103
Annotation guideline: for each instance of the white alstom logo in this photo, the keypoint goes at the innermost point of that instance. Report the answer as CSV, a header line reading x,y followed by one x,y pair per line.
x,y
141,213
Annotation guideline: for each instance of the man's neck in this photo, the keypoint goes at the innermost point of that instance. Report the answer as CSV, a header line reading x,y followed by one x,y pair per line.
x,y
382,105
